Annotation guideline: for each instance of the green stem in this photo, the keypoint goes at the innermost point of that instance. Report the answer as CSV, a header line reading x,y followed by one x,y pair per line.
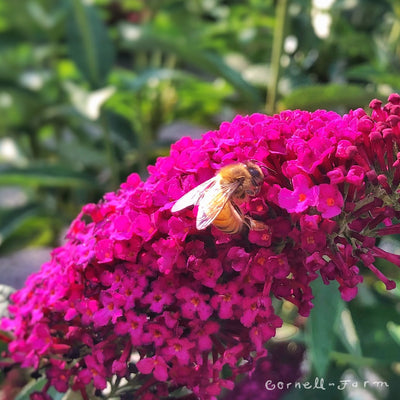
x,y
140,126
357,361
87,38
156,59
277,45
34,144
144,148
110,152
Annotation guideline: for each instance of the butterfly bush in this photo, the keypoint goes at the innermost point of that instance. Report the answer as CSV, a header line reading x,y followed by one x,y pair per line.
x,y
138,293
274,375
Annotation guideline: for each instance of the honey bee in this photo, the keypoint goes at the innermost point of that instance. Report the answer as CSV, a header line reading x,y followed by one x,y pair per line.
x,y
219,198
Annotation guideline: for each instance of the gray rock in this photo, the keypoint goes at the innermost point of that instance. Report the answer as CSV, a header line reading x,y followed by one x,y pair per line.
x,y
5,292
16,267
178,129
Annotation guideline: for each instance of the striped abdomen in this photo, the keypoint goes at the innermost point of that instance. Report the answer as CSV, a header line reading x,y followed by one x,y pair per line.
x,y
229,220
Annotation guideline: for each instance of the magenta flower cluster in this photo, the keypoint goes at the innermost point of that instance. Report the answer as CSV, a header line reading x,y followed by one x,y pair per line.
x,y
138,293
273,376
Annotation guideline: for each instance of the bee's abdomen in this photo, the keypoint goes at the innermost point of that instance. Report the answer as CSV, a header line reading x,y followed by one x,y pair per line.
x,y
229,220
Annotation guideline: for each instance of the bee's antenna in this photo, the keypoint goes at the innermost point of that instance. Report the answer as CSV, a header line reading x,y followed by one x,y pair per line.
x,y
262,165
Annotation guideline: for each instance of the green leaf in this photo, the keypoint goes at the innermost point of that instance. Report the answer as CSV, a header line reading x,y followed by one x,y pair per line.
x,y
377,76
44,175
329,96
320,332
122,132
37,386
44,19
347,333
10,220
155,74
373,324
89,45
34,231
81,153
30,387
394,331
204,60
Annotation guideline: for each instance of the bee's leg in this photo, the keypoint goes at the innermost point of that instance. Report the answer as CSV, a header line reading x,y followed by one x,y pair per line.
x,y
249,223
254,225
245,227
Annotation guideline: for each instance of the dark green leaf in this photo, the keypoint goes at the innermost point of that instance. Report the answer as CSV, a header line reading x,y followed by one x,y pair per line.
x,y
37,386
321,324
44,175
347,333
89,44
159,74
10,220
378,76
199,58
122,132
373,323
35,231
329,96
44,19
394,331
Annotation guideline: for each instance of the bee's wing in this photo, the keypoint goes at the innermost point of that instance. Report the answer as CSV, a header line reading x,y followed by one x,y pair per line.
x,y
194,196
213,201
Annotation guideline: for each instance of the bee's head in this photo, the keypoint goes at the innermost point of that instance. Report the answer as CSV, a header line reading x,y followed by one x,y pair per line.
x,y
257,176
259,164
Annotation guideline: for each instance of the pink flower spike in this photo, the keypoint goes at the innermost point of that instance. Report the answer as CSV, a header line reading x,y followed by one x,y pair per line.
x,y
237,258
95,372
201,331
194,304
336,175
303,196
158,298
144,227
155,364
136,281
178,348
104,250
261,238
226,299
208,272
330,201
111,310
123,227
355,175
133,326
40,396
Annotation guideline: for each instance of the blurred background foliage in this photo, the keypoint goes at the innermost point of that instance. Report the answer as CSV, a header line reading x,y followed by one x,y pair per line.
x,y
91,91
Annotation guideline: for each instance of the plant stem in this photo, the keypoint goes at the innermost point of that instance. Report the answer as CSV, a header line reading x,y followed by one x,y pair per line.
x,y
277,45
110,152
358,361
87,39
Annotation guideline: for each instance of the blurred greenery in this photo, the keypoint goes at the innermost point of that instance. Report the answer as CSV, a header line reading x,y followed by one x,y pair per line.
x,y
87,89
